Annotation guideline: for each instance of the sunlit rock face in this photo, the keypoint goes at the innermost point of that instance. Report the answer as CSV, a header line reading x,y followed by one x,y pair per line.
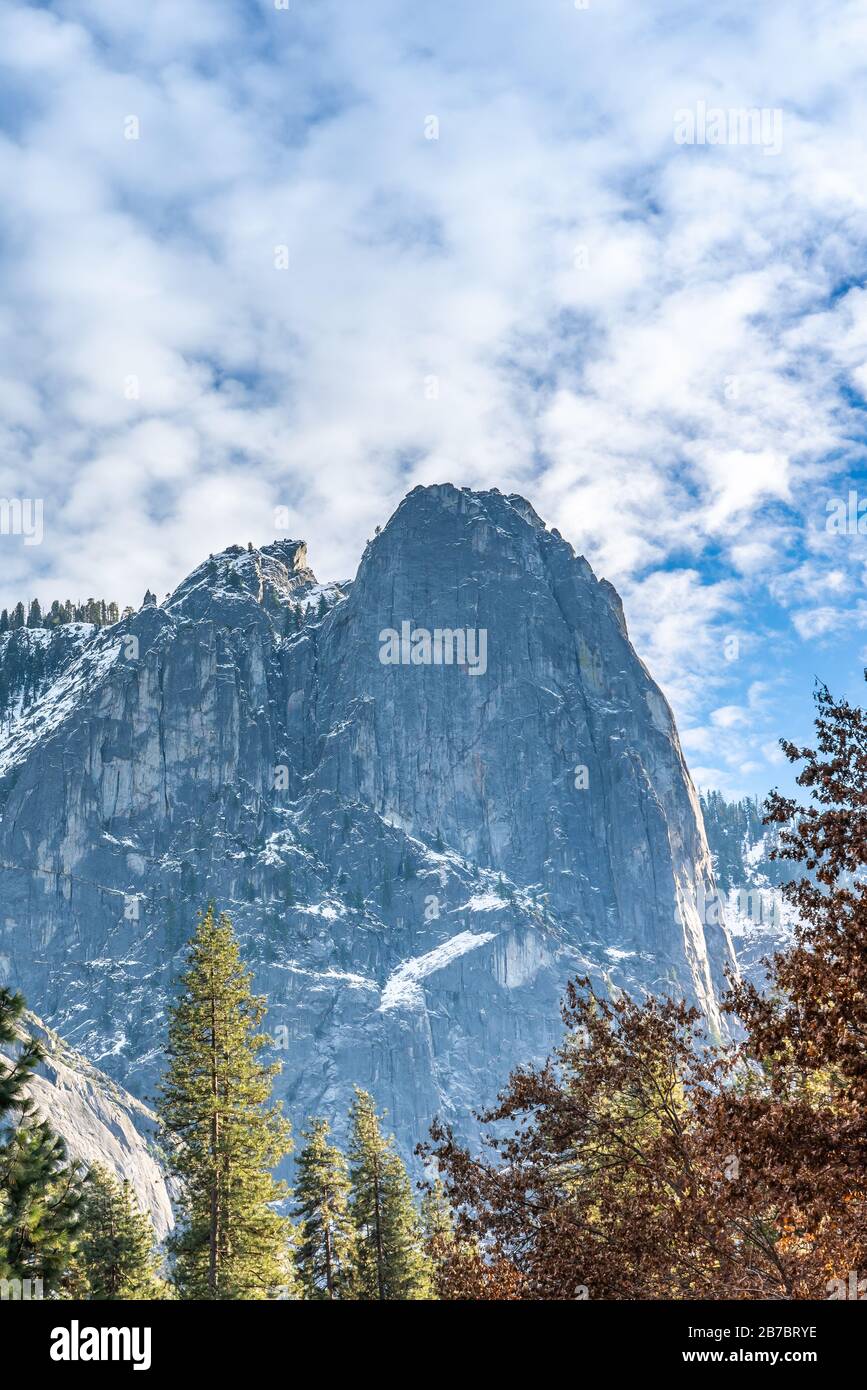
x,y
427,798
98,1120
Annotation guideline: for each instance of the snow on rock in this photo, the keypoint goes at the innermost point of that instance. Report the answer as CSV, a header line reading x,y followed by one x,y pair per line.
x,y
412,803
485,902
402,989
61,698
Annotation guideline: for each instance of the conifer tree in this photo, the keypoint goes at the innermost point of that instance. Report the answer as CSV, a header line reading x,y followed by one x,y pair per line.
x,y
231,1243
40,1191
15,1072
116,1246
325,1237
390,1260
437,1217
41,1194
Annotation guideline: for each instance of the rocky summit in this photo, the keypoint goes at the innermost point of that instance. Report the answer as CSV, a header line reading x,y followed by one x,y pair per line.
x,y
427,798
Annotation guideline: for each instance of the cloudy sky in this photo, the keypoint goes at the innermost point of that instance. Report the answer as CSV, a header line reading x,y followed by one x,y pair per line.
x,y
307,257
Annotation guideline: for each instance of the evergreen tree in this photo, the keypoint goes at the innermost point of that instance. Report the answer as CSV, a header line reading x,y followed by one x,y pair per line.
x,y
116,1247
390,1261
96,611
14,1076
292,620
326,1236
437,1217
231,1243
41,1194
457,1264
40,1191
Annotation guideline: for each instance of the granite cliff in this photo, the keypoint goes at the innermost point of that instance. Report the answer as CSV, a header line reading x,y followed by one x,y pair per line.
x,y
427,798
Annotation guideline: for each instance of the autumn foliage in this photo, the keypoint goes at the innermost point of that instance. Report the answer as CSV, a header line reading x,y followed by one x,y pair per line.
x,y
640,1162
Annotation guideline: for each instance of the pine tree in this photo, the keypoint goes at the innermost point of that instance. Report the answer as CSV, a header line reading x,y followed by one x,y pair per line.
x,y
41,1195
437,1217
390,1261
40,1191
326,1237
14,1076
458,1268
116,1246
231,1243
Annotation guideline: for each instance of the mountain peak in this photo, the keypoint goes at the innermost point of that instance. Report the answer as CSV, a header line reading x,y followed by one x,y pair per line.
x,y
272,575
471,503
482,538
416,852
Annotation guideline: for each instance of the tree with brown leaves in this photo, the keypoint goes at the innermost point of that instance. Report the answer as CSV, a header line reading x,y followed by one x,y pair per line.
x,y
640,1162
801,1125
615,1179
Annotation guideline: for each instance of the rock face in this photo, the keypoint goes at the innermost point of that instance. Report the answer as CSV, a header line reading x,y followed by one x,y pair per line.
x,y
760,920
417,852
100,1123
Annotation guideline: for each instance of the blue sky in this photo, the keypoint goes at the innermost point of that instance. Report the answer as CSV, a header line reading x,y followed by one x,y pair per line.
x,y
352,248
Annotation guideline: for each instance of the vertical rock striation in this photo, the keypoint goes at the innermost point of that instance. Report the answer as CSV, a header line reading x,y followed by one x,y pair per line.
x,y
417,852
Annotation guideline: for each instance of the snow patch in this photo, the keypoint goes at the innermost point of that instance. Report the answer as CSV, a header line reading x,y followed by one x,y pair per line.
x,y
60,700
484,902
402,988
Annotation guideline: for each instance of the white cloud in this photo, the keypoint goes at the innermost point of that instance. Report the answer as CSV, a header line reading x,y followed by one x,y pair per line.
x,y
659,344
